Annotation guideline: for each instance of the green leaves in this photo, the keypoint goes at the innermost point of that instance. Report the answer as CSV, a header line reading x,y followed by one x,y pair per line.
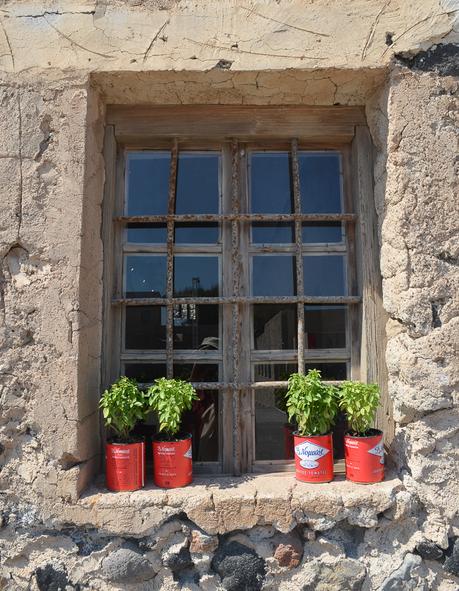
x,y
123,405
170,399
360,402
311,403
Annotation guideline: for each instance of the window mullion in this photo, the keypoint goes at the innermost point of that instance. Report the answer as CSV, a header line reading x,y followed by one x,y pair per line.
x,y
170,261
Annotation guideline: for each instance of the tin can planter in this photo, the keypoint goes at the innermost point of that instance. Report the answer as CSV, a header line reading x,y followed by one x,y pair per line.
x,y
364,457
314,458
125,466
172,462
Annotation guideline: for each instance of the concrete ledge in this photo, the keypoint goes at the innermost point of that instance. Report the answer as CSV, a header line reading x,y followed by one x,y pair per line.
x,y
223,504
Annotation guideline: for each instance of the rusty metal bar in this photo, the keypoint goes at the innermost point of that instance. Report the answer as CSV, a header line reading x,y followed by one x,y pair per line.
x,y
235,386
242,217
240,299
170,262
299,253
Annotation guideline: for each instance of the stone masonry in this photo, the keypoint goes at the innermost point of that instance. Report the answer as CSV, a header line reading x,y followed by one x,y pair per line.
x,y
61,63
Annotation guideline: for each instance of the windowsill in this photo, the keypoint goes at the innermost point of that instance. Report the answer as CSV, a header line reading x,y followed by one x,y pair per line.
x,y
220,504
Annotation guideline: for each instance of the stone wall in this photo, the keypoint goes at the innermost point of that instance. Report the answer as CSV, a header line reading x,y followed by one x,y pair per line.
x,y
61,63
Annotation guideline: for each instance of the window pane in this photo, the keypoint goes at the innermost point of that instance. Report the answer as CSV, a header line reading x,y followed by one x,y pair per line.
x,y
198,185
203,424
145,276
273,433
145,373
272,233
275,326
324,275
325,327
329,371
196,233
145,327
196,372
196,327
195,276
147,177
270,182
147,233
322,232
320,182
273,275
274,372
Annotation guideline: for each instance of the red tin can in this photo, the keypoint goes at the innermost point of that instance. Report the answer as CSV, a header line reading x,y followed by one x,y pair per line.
x,y
364,458
172,463
314,458
125,466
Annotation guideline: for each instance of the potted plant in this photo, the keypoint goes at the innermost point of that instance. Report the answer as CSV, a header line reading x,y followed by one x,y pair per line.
x,y
313,405
172,450
123,405
363,445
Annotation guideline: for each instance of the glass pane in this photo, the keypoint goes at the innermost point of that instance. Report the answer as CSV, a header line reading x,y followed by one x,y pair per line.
x,y
147,178
324,275
147,233
322,232
270,182
145,327
196,372
275,326
145,276
198,184
273,275
196,233
320,182
325,327
196,327
329,371
274,372
195,276
272,233
145,373
273,433
202,422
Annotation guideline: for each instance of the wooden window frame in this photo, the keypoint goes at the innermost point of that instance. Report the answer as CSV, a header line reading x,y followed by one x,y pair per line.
x,y
296,128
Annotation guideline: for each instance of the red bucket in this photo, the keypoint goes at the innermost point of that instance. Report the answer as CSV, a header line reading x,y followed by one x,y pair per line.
x,y
172,463
314,458
125,466
364,458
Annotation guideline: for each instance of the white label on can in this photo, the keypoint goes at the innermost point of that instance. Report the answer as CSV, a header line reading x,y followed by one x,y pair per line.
x,y
378,450
188,454
309,453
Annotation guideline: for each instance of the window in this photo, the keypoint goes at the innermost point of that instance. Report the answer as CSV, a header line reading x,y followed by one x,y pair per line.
x,y
233,265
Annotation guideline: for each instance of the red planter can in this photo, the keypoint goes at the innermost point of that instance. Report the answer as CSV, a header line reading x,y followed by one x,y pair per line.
x,y
172,463
125,466
364,458
314,458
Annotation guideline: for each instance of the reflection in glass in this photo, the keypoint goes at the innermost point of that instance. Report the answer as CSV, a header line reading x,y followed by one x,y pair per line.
x,y
273,433
203,424
270,182
147,176
273,275
196,372
329,371
320,182
322,232
145,373
325,327
145,276
198,183
272,233
195,276
147,233
324,275
273,372
205,233
274,326
145,327
196,327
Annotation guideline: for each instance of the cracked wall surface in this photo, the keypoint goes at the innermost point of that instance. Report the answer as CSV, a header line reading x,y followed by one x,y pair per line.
x,y
61,63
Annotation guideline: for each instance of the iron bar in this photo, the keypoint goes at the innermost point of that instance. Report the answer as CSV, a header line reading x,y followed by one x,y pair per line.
x,y
241,217
240,299
170,262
